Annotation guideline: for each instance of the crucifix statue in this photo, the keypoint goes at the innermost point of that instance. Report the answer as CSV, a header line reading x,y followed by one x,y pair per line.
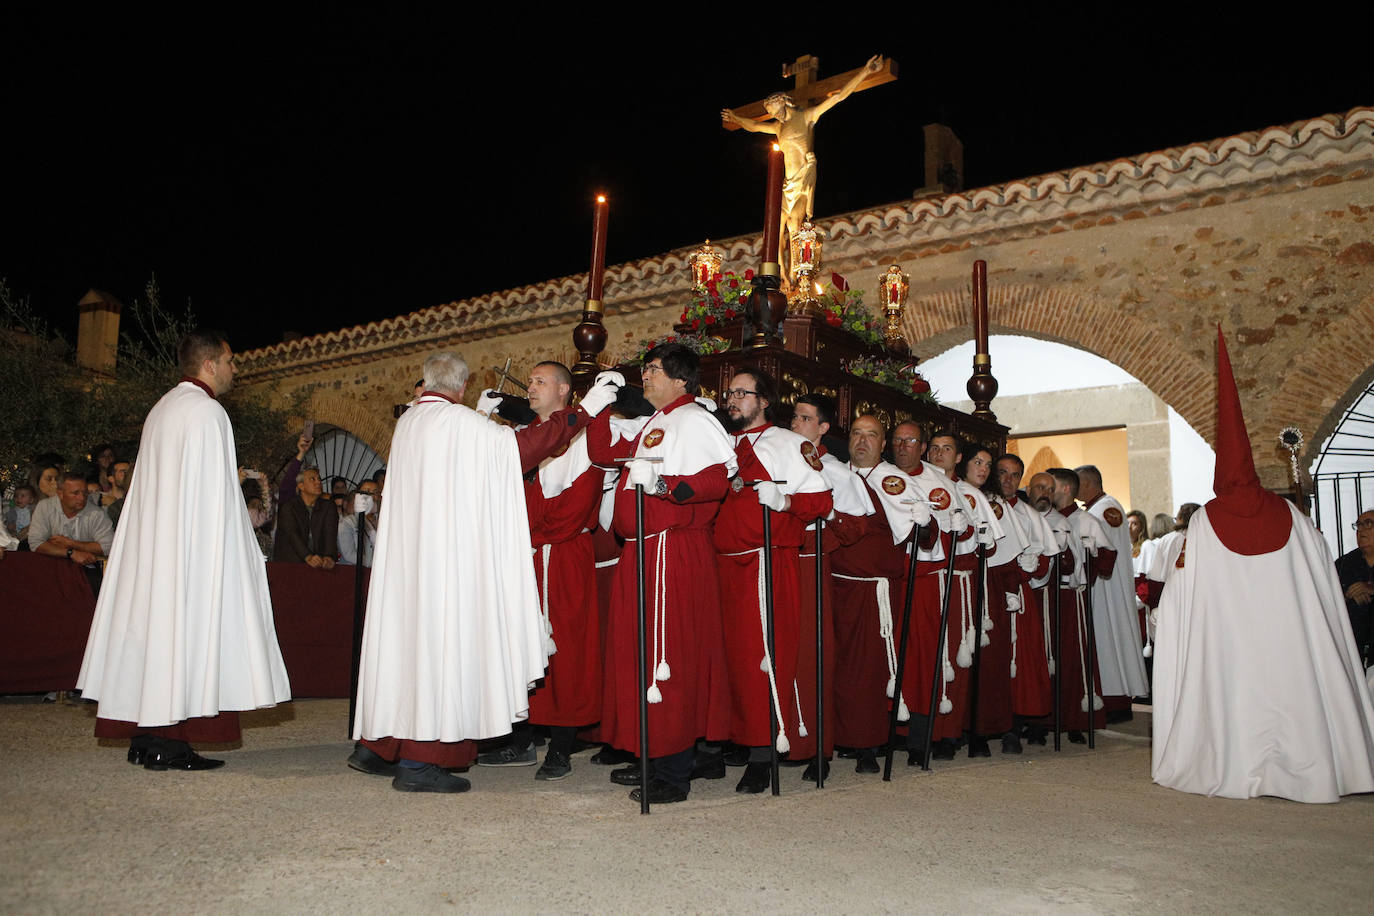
x,y
792,119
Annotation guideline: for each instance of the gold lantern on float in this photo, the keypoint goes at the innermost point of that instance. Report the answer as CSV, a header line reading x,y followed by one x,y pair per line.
x,y
805,247
704,263
893,287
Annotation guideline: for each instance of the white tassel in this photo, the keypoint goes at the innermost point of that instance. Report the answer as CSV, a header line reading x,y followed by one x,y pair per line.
x,y
1083,704
1050,663
763,663
801,729
987,624
663,672
550,646
891,686
965,658
949,672
1149,650
1013,669
1097,702
783,745
986,641
946,706
903,714
655,695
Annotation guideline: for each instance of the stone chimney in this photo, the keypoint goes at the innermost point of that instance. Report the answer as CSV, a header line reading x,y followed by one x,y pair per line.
x,y
944,162
97,332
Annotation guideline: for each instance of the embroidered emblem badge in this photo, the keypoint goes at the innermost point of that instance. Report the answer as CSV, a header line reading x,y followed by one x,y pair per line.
x,y
939,498
654,437
894,485
1113,517
812,457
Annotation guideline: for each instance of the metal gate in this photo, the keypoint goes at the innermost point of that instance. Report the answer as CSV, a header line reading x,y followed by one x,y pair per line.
x,y
1343,475
339,453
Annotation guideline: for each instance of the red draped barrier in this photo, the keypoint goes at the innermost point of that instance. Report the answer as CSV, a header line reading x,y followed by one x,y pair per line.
x,y
46,607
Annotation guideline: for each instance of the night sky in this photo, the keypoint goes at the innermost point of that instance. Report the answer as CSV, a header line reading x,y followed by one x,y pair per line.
x,y
310,170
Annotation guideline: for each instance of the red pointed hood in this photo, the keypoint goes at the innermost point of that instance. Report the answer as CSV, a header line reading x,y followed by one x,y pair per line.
x,y
1249,519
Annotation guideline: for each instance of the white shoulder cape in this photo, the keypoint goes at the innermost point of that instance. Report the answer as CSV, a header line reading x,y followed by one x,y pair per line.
x,y
453,638
183,626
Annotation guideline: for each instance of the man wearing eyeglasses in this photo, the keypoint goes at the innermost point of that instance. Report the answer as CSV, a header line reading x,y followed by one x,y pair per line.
x,y
1356,572
683,461
780,470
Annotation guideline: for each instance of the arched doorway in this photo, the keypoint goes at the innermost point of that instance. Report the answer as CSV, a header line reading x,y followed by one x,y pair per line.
x,y
1068,406
1343,474
339,453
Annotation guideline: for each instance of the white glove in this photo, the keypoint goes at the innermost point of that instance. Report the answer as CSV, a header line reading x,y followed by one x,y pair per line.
x,y
771,495
488,402
1013,602
362,503
602,392
643,473
985,537
707,403
920,513
1061,537
958,521
1028,561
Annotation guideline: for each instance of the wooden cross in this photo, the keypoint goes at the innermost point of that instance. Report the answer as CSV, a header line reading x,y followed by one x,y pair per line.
x,y
808,91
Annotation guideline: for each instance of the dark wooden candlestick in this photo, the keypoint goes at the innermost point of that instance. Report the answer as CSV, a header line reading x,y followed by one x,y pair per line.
x,y
589,337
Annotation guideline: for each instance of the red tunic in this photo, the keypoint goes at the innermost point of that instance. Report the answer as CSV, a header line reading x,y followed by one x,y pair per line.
x,y
695,699
994,659
861,660
570,693
1030,688
738,539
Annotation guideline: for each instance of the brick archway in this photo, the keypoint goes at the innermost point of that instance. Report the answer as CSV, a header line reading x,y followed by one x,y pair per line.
x,y
1150,352
357,418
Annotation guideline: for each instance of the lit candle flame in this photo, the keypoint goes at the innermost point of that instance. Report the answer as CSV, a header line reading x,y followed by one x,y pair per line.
x,y
601,198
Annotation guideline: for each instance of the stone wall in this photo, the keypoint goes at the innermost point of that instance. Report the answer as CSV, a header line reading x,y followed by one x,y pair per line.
x,y
1137,260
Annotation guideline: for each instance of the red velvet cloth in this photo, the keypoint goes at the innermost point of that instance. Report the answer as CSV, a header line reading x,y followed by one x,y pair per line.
x,y
45,617
451,755
994,659
221,729
313,611
805,747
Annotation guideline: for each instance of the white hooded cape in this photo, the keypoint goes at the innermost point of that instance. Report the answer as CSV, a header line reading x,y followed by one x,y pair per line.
x,y
1257,687
1115,622
453,638
183,627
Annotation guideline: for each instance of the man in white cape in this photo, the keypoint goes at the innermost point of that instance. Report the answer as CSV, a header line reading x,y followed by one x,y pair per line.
x,y
183,635
454,637
1258,688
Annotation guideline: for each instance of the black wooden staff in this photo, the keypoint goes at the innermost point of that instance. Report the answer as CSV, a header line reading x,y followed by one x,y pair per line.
x,y
1092,645
358,616
773,711
940,653
1058,648
643,666
820,657
901,654
979,597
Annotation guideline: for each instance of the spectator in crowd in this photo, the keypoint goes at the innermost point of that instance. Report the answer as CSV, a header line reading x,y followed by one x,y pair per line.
x,y
43,478
348,527
1139,528
113,501
379,478
257,495
102,461
1356,572
1161,525
307,525
18,516
339,493
66,526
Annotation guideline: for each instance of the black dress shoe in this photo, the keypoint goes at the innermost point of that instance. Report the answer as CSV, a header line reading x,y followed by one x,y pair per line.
x,y
138,749
661,793
867,761
1011,744
428,778
916,757
612,756
1077,738
1036,735
160,758
944,749
364,760
978,746
736,756
846,753
629,776
756,778
809,774
708,766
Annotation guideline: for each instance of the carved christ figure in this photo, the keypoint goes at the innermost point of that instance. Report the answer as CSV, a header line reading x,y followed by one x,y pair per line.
x,y
795,129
